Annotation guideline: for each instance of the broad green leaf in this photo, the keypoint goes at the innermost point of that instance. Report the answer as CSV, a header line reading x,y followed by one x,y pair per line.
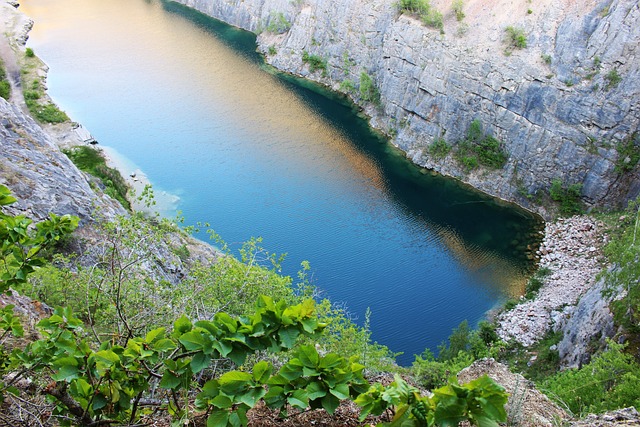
x,y
316,390
193,340
218,418
226,321
485,421
331,360
182,326
308,355
251,397
288,336
235,381
154,335
169,380
451,413
341,391
199,362
99,402
299,399
221,401
291,372
164,344
261,372
330,403
66,373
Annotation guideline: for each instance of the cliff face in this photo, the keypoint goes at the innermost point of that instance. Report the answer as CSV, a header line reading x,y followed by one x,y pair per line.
x,y
551,103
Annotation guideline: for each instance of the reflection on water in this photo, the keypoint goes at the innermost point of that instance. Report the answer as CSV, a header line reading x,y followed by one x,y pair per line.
x,y
186,99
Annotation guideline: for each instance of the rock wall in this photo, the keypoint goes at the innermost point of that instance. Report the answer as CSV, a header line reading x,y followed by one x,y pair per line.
x,y
550,104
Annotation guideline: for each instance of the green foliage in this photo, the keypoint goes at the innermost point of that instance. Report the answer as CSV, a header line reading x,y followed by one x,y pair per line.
x,y
22,243
278,23
481,402
567,197
29,53
623,251
480,149
458,6
315,63
272,50
547,59
368,89
92,161
347,86
515,38
610,381
628,153
613,79
422,10
47,113
5,87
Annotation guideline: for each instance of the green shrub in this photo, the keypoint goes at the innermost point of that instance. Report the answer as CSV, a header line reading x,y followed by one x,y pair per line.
x,y
29,53
567,197
90,160
5,89
458,6
628,153
422,9
368,90
278,23
272,50
515,38
610,381
613,79
315,62
480,149
47,113
418,8
347,86
439,149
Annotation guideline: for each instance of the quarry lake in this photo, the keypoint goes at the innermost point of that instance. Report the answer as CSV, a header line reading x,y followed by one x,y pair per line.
x,y
188,101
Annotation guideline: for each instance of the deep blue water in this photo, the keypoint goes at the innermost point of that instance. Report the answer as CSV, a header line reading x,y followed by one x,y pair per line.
x,y
186,100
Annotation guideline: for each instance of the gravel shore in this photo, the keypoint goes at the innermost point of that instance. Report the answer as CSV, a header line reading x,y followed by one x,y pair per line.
x,y
572,250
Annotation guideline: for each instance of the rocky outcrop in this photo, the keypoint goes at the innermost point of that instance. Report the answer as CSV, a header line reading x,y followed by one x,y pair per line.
x,y
551,104
585,327
40,176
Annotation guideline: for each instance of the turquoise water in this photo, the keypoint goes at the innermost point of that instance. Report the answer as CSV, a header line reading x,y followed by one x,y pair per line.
x,y
187,100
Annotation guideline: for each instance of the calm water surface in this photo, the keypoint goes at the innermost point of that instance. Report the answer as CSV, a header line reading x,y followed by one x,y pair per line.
x,y
187,100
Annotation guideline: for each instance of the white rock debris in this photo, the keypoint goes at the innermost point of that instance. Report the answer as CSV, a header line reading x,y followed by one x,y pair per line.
x,y
572,251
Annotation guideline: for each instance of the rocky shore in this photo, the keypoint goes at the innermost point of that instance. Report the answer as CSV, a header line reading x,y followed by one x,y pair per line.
x,y
572,251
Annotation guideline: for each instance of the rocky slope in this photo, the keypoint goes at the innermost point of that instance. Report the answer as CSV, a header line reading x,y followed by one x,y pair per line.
x,y
551,104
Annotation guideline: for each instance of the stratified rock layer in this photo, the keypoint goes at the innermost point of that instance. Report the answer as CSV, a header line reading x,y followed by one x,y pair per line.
x,y
551,104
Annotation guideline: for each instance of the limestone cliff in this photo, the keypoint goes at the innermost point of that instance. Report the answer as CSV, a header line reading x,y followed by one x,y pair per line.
x,y
557,105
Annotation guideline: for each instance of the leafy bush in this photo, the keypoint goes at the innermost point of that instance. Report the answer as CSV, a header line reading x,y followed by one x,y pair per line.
x,y
480,149
5,89
47,113
368,90
610,381
272,50
567,197
315,62
90,160
422,9
29,53
623,251
278,23
439,149
458,6
515,38
613,79
628,153
347,86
